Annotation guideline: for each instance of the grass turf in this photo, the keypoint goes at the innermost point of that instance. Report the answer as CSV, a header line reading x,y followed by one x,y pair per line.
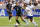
x,y
4,22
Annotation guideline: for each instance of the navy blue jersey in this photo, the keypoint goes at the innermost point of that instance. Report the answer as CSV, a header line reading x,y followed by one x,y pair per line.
x,y
9,6
17,8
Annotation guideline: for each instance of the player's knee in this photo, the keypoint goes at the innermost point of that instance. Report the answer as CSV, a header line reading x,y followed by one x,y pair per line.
x,y
25,18
16,18
11,15
31,20
22,18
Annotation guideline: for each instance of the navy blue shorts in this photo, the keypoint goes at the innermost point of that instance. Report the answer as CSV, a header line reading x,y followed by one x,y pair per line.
x,y
18,15
9,12
30,17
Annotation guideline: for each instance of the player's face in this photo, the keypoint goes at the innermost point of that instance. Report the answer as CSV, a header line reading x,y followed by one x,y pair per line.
x,y
29,3
8,2
17,4
24,7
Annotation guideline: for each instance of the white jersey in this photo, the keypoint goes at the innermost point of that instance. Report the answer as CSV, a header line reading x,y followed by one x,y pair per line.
x,y
27,1
28,13
13,5
30,7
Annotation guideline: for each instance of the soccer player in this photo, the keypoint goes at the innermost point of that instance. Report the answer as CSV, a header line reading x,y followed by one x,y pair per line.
x,y
29,15
18,11
28,3
31,7
8,7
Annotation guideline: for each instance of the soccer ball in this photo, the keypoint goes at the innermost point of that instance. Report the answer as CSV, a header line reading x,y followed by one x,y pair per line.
x,y
16,25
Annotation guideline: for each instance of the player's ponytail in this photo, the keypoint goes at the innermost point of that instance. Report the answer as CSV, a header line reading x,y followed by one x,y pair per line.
x,y
25,5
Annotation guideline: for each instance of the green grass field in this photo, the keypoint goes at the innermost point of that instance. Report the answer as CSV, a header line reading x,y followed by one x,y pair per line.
x,y
4,22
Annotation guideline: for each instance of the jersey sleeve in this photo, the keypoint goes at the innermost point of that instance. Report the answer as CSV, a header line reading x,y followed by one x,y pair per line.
x,y
27,9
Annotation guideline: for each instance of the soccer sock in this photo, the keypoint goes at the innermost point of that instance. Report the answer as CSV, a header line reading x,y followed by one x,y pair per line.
x,y
28,20
10,17
34,22
17,21
25,20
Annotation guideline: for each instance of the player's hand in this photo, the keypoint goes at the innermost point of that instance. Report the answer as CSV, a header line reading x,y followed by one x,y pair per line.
x,y
31,14
7,10
13,10
24,14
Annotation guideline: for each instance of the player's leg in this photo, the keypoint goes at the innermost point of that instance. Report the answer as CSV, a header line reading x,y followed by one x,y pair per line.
x,y
10,15
24,19
17,20
18,23
31,19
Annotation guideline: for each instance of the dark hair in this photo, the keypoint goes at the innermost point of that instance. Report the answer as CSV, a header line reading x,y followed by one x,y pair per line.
x,y
25,5
17,2
8,0
35,4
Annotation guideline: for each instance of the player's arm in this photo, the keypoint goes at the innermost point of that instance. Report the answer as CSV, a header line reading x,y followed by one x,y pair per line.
x,y
25,13
22,8
13,8
34,9
7,8
31,2
29,11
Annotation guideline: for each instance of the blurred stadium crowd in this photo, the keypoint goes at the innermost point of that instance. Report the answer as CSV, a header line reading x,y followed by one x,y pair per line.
x,y
3,3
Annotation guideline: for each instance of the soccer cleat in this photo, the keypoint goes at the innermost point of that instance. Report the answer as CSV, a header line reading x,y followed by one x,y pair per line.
x,y
9,20
16,25
27,24
36,25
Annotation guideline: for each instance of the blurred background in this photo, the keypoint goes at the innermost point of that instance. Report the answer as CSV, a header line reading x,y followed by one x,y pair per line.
x,y
3,4
4,21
